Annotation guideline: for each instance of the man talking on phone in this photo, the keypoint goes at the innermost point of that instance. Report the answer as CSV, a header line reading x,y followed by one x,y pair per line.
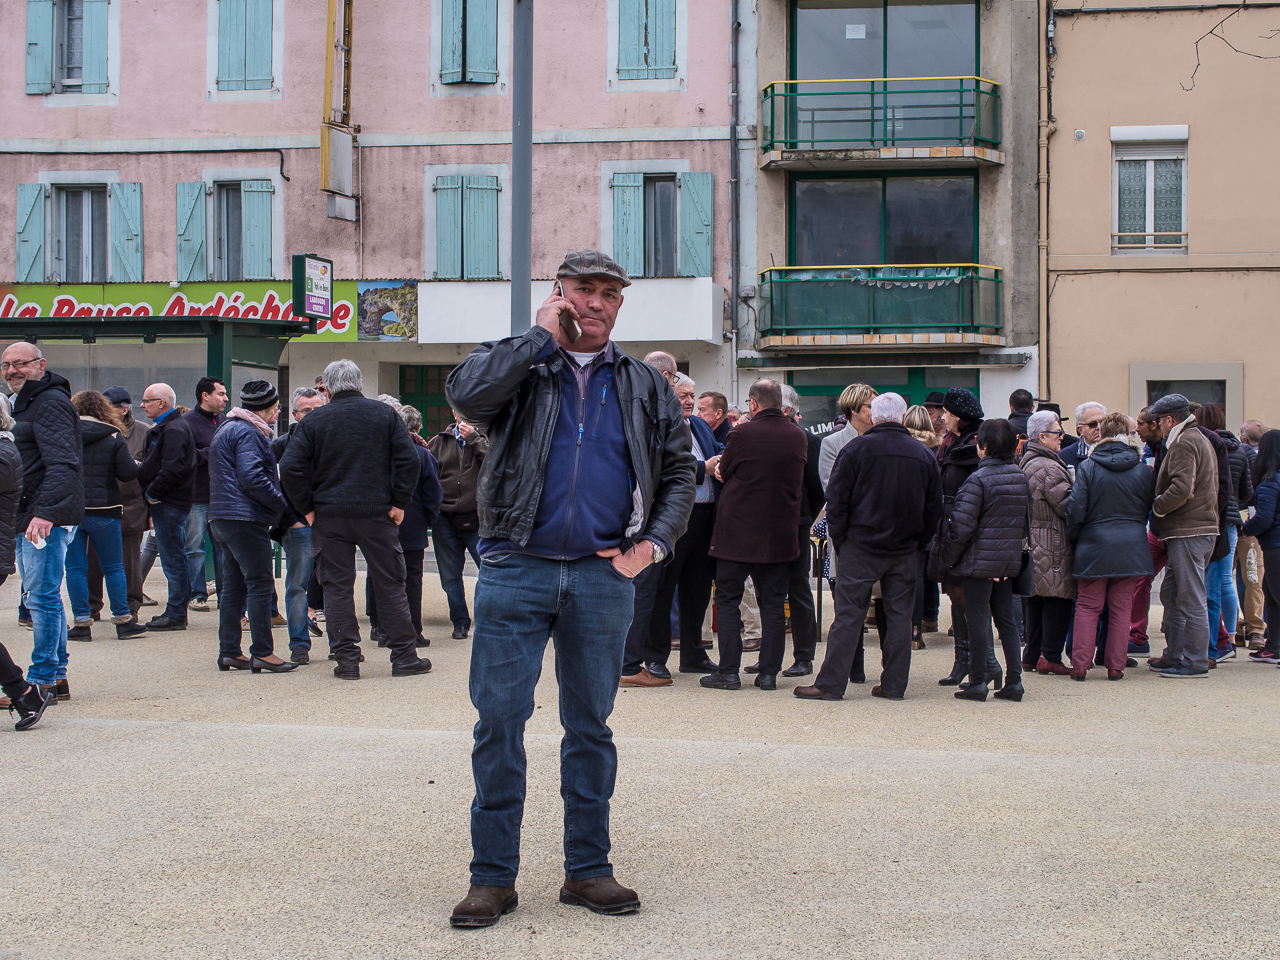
x,y
588,480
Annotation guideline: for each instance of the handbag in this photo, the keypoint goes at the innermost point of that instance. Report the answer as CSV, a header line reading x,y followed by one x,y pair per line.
x,y
465,522
1024,583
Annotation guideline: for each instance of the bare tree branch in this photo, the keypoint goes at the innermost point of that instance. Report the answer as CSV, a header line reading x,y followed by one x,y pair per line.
x,y
1214,32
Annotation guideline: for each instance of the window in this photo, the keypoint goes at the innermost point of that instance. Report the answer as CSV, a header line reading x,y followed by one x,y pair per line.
x,y
423,387
646,39
1197,391
1149,198
81,251
861,39
662,223
884,220
92,232
469,41
245,45
242,231
67,46
467,228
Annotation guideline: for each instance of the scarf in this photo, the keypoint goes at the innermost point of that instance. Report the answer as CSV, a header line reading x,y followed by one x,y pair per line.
x,y
251,418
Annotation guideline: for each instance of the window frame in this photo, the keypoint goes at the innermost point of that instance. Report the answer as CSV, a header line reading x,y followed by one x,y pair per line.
x,y
212,93
212,177
498,88
222,234
650,226
614,84
429,220
61,198
54,182
1149,152
62,95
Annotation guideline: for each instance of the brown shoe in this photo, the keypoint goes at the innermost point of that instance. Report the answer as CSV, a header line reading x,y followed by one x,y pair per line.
x,y
279,621
929,626
5,703
600,895
815,693
484,906
749,645
878,691
64,690
644,679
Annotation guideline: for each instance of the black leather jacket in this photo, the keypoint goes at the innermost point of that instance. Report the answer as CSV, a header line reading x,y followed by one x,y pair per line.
x,y
513,400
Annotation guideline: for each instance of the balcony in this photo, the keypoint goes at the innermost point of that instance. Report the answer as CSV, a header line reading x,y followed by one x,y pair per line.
x,y
883,305
844,124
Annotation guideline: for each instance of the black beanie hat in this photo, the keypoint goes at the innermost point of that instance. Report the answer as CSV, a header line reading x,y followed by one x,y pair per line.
x,y
258,395
963,404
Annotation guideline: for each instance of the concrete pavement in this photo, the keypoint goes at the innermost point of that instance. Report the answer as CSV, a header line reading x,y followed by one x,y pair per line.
x,y
170,810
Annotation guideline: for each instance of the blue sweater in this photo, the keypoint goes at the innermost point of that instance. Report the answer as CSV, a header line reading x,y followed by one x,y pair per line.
x,y
1265,523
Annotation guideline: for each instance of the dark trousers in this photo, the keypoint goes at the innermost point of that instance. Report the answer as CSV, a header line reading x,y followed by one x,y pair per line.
x,y
692,571
413,564
856,574
635,650
1048,620
247,584
770,580
11,681
1271,597
804,616
930,592
334,540
131,544
983,601
451,549
315,593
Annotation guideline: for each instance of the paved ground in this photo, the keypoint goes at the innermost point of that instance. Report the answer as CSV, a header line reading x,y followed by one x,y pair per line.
x,y
173,811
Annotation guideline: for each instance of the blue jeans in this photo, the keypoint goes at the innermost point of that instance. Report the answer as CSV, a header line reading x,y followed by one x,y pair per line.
x,y
193,547
1220,587
104,533
585,606
170,525
299,563
42,572
451,554
248,581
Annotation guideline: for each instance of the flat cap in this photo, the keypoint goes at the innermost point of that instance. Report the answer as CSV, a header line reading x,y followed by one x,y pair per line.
x,y
592,263
1170,403
934,399
117,395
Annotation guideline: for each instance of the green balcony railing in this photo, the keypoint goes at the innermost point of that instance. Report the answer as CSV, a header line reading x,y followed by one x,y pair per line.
x,y
880,299
893,112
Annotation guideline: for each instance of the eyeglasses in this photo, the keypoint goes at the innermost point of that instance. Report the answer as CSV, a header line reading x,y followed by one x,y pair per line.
x,y
18,364
146,400
1092,424
1053,433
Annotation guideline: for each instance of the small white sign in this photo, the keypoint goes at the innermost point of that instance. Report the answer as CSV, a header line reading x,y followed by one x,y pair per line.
x,y
855,31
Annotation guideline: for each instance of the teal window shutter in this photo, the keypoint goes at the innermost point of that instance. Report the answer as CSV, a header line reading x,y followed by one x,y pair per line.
x,y
480,228
94,64
31,233
193,261
124,222
696,207
448,228
40,49
451,41
231,44
632,16
662,39
255,228
628,222
482,41
257,56
646,39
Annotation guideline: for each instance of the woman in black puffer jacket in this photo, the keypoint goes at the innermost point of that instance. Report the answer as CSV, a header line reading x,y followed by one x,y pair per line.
x,y
982,545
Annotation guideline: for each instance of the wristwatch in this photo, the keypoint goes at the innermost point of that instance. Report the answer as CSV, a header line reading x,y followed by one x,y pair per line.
x,y
659,551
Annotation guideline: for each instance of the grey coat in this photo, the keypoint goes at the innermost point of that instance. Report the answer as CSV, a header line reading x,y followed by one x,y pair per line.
x,y
1050,548
985,534
1107,513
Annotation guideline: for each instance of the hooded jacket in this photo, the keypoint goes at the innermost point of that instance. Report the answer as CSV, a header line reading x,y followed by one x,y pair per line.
x,y
1051,551
105,462
984,536
47,435
1107,514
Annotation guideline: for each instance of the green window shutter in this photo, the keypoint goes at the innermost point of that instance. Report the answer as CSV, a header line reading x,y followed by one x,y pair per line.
x,y
628,222
40,48
451,41
448,228
661,58
480,228
193,262
30,233
257,34
632,17
696,207
482,41
231,44
255,228
124,222
94,74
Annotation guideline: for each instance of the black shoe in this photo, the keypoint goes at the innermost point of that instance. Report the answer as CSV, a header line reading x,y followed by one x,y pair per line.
x,y
976,692
958,672
721,681
767,681
300,656
801,668
313,628
1012,691
421,641
997,681
751,668
30,707
257,665
419,666
234,663
347,672
857,678
130,629
461,631
706,666
82,634
334,657
376,634
165,623
658,670
1130,663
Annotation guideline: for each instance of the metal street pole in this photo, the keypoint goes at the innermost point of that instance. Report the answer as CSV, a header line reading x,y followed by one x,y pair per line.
x,y
521,166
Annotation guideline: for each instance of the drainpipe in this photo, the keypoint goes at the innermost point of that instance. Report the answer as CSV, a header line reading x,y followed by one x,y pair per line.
x,y
735,222
1046,130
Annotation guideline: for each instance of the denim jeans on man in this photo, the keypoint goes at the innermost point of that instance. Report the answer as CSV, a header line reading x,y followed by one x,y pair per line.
x,y
169,524
193,547
42,572
104,534
1186,609
452,548
298,564
585,607
248,580
1220,590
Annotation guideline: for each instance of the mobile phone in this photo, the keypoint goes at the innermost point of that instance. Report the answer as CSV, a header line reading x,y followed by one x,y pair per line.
x,y
567,323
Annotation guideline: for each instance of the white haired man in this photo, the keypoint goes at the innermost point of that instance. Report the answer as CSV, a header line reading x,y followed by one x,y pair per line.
x,y
1089,422
884,503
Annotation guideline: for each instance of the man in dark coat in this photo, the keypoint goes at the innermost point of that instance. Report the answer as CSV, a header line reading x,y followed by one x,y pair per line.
x,y
168,479
203,421
47,435
351,469
884,502
460,451
762,469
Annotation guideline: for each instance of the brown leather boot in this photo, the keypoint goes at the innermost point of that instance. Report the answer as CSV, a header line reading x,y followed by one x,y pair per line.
x,y
484,906
600,895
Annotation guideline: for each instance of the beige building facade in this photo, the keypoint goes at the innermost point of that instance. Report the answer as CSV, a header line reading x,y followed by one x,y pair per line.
x,y
1163,270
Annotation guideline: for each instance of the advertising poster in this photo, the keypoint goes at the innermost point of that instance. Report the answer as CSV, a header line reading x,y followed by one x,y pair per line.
x,y
388,310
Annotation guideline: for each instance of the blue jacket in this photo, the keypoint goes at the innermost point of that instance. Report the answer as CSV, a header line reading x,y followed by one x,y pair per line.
x,y
243,484
1265,523
710,446
424,508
